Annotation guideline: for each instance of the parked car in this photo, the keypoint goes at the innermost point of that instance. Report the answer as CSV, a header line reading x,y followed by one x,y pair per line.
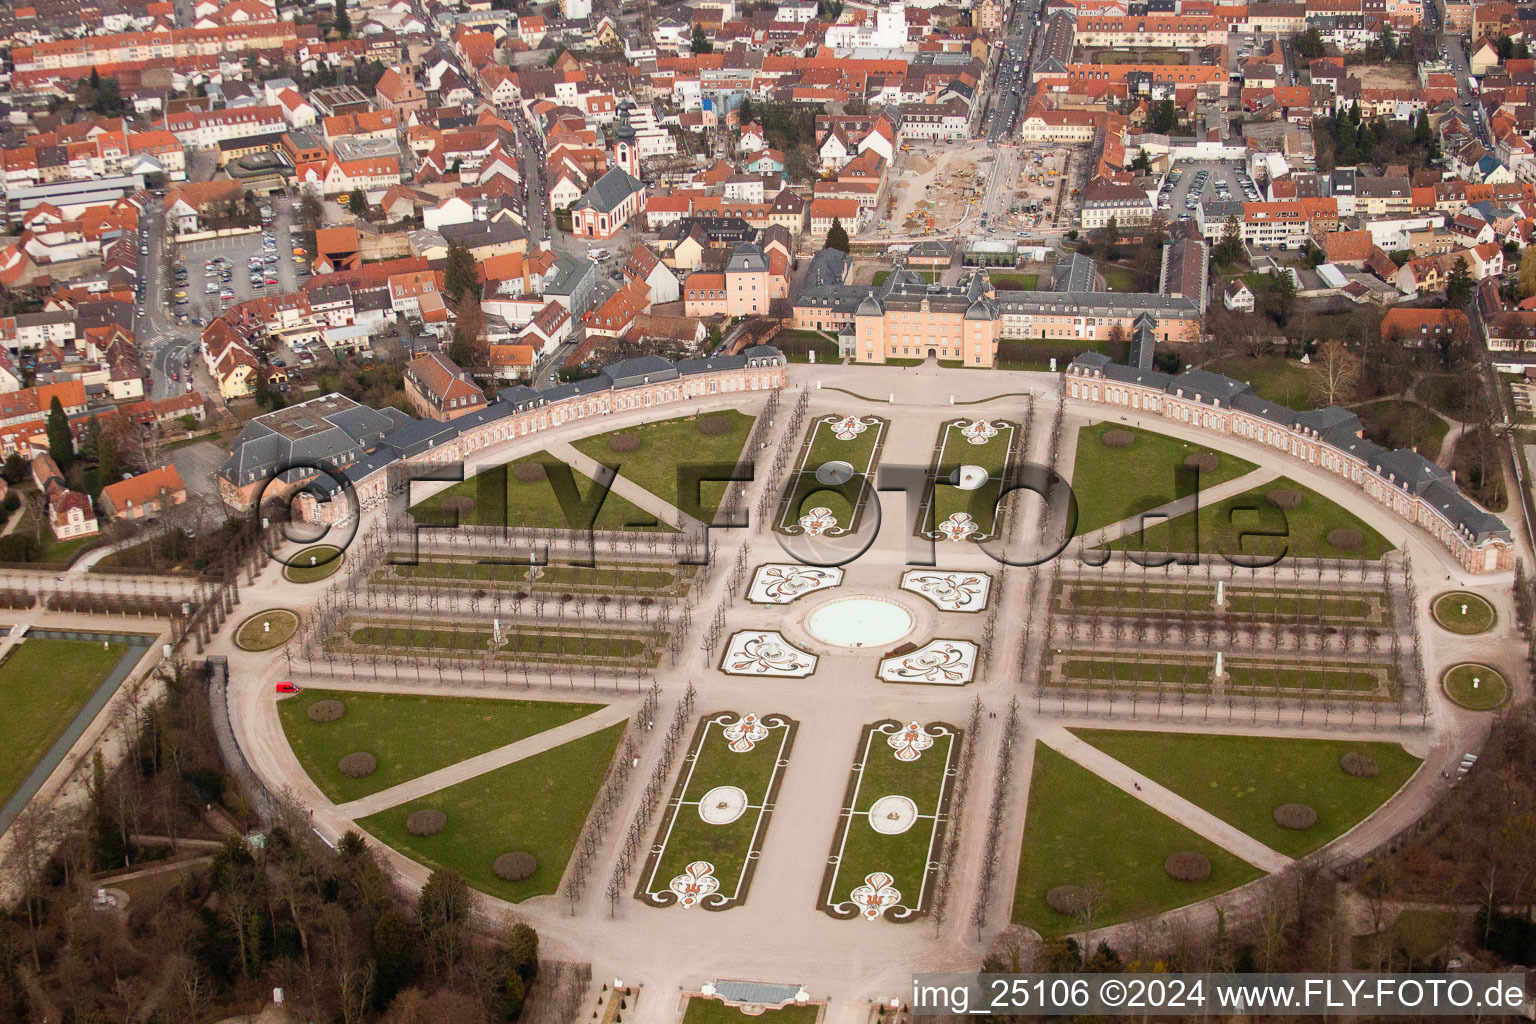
x,y
287,687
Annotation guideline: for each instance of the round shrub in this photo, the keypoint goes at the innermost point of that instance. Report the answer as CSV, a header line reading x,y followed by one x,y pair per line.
x,y
529,472
714,426
1345,540
1295,816
1187,866
1205,462
1118,439
426,823
624,443
326,710
1071,900
1284,497
1358,765
358,766
462,504
514,867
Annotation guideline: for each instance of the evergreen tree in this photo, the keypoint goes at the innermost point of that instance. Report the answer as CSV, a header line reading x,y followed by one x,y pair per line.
x,y
90,444
837,238
107,468
1111,236
61,441
343,22
701,43
459,278
1230,249
512,994
522,946
357,202
1458,286
107,849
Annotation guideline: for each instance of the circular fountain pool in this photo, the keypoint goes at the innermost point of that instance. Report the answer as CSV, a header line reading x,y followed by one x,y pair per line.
x,y
859,622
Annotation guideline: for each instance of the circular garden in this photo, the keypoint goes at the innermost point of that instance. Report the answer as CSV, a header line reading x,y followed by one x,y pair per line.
x,y
313,564
1463,612
1475,687
266,630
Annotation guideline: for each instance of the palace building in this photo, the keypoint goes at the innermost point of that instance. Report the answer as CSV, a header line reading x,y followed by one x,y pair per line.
x,y
1412,487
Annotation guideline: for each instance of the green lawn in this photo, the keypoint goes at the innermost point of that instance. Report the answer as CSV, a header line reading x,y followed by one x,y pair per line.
x,y
1450,394
1475,687
1416,936
266,630
1464,613
573,642
1139,57
981,503
1015,282
1180,600
1125,279
326,558
1238,524
930,276
1242,779
1101,670
604,578
1273,378
409,734
538,805
905,856
1037,353
1395,423
688,838
713,1011
1112,484
500,499
50,550
44,684
1081,830
671,445
797,346
862,452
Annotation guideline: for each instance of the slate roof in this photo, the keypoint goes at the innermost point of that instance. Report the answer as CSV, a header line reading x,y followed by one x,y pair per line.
x,y
330,429
1403,468
404,436
609,191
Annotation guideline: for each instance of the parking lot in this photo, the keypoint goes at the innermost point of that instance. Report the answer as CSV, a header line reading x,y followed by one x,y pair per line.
x,y
1213,176
218,271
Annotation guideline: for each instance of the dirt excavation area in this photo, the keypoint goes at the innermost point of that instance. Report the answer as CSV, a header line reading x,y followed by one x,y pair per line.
x,y
933,188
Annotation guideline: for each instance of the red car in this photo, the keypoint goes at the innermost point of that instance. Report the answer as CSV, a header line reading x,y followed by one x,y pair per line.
x,y
287,687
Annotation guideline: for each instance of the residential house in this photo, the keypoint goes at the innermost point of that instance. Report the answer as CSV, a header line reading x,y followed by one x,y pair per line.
x,y
147,494
437,388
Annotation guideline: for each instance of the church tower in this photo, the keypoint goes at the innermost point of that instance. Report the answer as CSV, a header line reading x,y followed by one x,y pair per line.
x,y
624,153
